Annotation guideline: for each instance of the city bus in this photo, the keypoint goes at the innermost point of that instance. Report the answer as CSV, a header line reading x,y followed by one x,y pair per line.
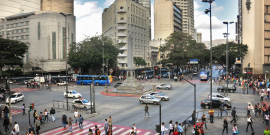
x,y
99,79
204,75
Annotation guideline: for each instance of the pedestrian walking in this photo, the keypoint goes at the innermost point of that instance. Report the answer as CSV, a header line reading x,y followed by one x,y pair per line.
x,y
146,110
256,110
204,120
6,111
110,123
135,129
235,130
249,107
1,112
132,132
81,122
52,112
64,120
266,131
31,129
41,118
90,132
234,115
262,95
23,108
260,110
37,125
244,89
70,125
163,129
97,131
46,114
211,113
180,129
76,116
249,122
106,126
35,115
17,128
171,127
225,125
5,124
266,119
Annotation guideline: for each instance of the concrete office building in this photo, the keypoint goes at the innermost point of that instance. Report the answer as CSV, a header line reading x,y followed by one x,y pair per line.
x,y
254,30
126,18
168,18
14,7
155,55
199,37
187,7
65,6
147,4
44,33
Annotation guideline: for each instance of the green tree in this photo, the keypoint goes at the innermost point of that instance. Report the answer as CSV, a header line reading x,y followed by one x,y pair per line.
x,y
139,61
88,54
234,50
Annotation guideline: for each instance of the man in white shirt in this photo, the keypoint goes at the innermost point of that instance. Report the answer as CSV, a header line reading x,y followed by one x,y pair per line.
x,y
76,116
135,129
17,129
248,109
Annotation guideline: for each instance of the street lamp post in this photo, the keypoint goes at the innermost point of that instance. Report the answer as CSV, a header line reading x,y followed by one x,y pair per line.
x,y
160,56
66,37
103,58
227,55
206,12
106,87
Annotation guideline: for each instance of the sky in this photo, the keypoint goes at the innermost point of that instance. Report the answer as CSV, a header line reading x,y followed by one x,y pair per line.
x,y
89,17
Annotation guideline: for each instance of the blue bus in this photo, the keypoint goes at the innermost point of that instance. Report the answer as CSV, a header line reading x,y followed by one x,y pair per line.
x,y
204,75
99,79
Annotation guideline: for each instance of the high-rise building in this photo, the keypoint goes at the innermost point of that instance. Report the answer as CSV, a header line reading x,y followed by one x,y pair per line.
x,y
125,18
147,4
168,18
65,6
14,7
199,37
44,33
187,7
254,30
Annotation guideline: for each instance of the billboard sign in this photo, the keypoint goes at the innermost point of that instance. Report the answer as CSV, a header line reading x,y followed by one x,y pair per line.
x,y
193,61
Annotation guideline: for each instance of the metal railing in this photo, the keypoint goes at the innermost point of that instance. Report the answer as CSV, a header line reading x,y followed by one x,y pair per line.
x,y
75,106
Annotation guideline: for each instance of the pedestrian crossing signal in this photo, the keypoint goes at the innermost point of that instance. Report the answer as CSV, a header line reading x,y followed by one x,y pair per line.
x,y
31,107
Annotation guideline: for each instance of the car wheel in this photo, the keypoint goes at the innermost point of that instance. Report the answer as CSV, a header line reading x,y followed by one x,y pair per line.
x,y
81,83
206,107
231,91
74,97
141,102
97,84
158,88
57,84
155,103
163,99
167,88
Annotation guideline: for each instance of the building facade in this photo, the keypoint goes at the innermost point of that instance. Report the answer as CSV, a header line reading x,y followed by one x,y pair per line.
x,y
168,18
14,7
199,37
44,33
254,30
126,18
187,7
65,6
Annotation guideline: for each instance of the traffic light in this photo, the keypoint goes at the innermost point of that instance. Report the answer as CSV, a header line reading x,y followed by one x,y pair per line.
x,y
116,69
156,68
31,107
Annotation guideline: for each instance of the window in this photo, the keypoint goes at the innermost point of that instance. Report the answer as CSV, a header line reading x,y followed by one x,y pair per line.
x,y
122,18
27,36
27,30
22,37
54,46
12,25
17,31
122,7
27,23
17,38
21,23
7,25
17,25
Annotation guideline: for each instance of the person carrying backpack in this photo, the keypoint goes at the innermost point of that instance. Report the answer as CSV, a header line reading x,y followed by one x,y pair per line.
x,y
146,111
97,131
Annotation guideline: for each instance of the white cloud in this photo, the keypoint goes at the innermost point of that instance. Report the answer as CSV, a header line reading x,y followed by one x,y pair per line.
x,y
89,19
108,3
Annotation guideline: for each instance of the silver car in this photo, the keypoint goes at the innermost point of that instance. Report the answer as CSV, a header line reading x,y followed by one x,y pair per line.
x,y
159,95
149,99
165,86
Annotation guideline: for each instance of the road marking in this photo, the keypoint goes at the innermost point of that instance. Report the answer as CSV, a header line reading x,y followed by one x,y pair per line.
x,y
84,131
127,132
104,131
251,107
57,129
148,133
119,130
76,130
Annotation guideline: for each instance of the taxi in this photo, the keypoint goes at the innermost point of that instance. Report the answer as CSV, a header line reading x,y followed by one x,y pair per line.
x,y
16,97
82,103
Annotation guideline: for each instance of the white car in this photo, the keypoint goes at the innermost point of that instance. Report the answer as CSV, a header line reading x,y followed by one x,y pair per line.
x,y
16,97
62,83
82,103
73,94
219,97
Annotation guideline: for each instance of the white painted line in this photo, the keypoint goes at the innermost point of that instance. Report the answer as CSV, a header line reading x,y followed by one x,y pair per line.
x,y
84,131
148,133
86,126
55,130
127,132
103,133
119,130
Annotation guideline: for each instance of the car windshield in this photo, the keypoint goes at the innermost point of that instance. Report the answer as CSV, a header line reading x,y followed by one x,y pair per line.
x,y
152,97
84,101
74,92
12,96
161,94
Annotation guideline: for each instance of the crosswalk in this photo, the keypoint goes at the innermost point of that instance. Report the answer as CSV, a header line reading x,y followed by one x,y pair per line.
x,y
13,112
117,130
22,89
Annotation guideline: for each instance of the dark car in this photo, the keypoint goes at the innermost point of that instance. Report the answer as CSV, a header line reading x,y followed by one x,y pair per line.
x,y
117,84
231,88
215,104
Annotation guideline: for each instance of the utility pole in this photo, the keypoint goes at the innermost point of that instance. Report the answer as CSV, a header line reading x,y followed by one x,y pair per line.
x,y
91,102
106,77
94,110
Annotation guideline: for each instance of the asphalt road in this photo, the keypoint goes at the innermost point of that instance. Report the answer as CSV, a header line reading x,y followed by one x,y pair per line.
x,y
127,110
